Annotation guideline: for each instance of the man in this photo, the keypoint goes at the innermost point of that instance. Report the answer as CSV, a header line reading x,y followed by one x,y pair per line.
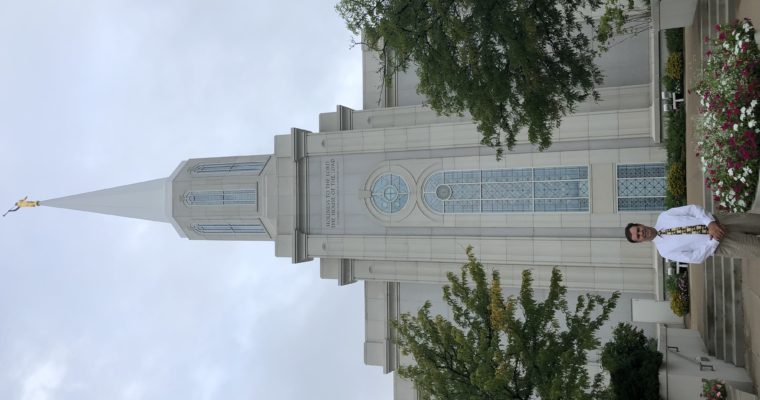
x,y
690,234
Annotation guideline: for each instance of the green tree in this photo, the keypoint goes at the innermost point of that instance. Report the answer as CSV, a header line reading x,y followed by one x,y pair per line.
x,y
511,64
633,363
623,19
503,349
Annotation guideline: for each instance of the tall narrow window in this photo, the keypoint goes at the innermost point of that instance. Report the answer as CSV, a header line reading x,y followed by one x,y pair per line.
x,y
222,168
229,228
555,189
221,197
641,187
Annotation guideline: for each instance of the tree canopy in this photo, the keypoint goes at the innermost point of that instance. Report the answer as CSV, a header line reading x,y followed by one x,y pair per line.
x,y
633,363
512,64
503,349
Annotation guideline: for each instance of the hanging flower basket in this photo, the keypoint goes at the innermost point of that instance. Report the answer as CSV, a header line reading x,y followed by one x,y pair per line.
x,y
728,123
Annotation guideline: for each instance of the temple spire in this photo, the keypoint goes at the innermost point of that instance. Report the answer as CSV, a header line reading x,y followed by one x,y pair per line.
x,y
149,200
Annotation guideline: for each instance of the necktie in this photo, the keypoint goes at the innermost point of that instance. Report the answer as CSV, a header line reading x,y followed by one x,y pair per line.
x,y
684,230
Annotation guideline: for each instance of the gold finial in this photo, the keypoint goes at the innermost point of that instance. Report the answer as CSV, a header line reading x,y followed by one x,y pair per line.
x,y
22,203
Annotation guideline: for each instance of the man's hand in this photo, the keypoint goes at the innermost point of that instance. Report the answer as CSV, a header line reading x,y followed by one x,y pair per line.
x,y
716,230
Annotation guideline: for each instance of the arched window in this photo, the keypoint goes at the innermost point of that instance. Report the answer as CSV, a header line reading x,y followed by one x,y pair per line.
x,y
224,168
641,187
221,197
229,228
554,189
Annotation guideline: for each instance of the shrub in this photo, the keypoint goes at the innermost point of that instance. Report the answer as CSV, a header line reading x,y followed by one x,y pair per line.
x,y
674,40
728,124
633,363
675,143
671,85
676,136
674,67
678,291
676,180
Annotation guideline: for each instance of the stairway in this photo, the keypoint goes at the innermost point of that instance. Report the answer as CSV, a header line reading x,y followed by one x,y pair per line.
x,y
725,310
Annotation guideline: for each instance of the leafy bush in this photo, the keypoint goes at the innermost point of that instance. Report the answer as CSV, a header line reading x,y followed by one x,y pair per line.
x,y
676,180
674,40
674,66
671,85
677,287
728,124
675,143
633,363
676,136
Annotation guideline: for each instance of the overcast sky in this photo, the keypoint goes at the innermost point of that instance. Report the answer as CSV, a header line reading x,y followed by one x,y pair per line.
x,y
95,94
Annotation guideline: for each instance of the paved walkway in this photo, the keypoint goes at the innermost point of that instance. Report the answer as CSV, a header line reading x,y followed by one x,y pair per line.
x,y
708,13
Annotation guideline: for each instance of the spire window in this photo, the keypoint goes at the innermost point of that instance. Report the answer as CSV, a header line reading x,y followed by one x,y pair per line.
x,y
229,228
221,197
226,168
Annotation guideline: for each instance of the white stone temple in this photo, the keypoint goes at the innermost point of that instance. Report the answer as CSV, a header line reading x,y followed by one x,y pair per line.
x,y
391,195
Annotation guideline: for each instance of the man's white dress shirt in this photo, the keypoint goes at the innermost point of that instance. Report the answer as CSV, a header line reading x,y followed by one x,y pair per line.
x,y
689,248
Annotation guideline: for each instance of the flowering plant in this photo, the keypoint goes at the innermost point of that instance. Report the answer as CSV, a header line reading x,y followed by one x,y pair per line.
x,y
728,125
713,389
678,291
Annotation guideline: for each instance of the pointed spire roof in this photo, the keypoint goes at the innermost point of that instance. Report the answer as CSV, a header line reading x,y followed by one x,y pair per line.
x,y
149,200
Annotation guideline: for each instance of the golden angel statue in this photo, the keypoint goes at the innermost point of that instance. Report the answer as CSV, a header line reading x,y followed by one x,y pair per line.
x,y
22,203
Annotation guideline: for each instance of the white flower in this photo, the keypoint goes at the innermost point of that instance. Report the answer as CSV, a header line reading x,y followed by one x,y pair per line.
x,y
753,103
731,173
751,123
741,203
743,180
736,127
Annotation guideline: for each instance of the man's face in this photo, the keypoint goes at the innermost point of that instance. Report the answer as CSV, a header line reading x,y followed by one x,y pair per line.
x,y
642,233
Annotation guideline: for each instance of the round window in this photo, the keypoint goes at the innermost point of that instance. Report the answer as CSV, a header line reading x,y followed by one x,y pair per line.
x,y
389,193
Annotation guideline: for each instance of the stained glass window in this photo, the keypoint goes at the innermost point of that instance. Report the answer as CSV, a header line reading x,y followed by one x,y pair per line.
x,y
222,168
390,193
553,189
229,228
641,187
221,197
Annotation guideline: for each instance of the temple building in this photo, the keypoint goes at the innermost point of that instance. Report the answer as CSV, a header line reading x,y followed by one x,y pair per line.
x,y
391,195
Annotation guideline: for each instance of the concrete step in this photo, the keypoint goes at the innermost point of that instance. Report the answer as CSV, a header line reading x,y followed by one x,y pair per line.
x,y
725,311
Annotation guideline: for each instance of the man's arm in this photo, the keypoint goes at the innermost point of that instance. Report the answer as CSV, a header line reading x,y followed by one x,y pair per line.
x,y
694,256
693,211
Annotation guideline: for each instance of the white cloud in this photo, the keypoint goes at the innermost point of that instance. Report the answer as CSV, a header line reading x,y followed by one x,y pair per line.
x,y
43,381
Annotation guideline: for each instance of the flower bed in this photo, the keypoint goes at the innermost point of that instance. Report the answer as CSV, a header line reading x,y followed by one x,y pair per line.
x,y
729,92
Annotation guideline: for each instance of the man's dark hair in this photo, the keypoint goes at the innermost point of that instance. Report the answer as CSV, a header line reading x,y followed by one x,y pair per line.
x,y
628,232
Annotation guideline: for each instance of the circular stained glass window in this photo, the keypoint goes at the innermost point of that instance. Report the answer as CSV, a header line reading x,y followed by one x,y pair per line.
x,y
390,193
